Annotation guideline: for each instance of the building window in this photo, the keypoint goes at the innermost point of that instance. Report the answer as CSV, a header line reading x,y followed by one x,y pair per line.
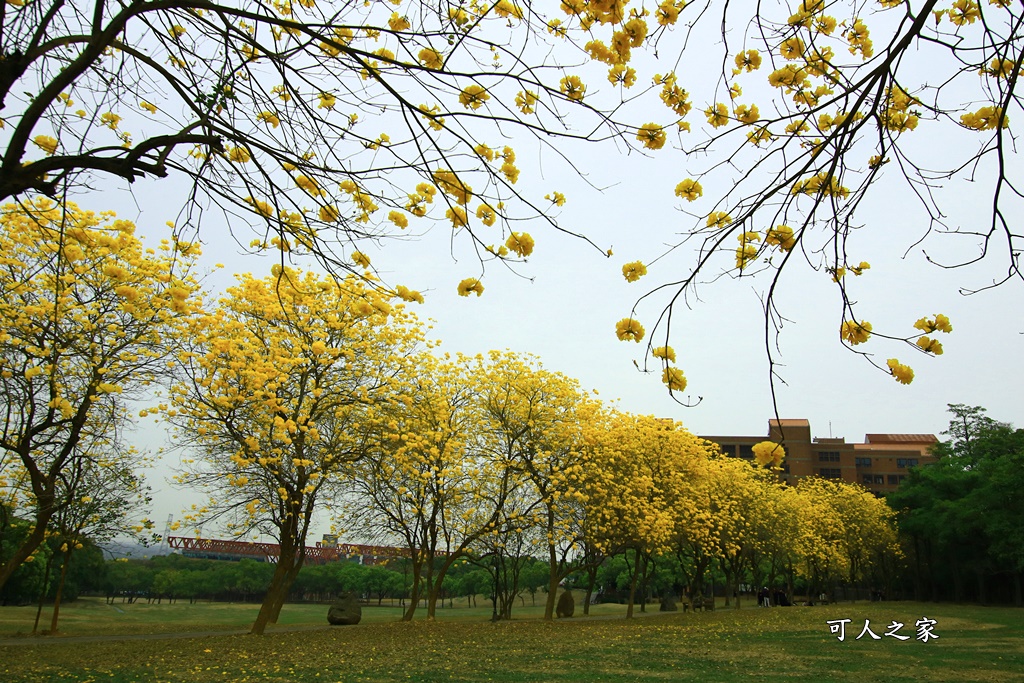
x,y
746,452
868,479
831,473
863,462
879,478
906,462
828,456
893,480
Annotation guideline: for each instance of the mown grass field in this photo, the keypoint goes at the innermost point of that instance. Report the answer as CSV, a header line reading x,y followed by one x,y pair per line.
x,y
93,616
974,644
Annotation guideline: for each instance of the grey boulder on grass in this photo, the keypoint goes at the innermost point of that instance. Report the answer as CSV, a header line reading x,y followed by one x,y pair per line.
x,y
345,611
566,605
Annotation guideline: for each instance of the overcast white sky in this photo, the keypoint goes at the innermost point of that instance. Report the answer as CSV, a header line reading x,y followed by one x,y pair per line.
x,y
565,306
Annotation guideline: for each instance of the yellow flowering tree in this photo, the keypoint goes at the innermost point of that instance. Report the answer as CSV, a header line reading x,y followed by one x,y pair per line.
x,y
329,125
823,113
104,499
534,419
643,474
276,396
85,316
426,485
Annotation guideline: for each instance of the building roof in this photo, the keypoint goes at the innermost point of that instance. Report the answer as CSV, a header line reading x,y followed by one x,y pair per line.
x,y
900,438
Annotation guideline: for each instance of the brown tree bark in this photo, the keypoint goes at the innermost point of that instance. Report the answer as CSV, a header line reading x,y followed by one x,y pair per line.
x,y
60,591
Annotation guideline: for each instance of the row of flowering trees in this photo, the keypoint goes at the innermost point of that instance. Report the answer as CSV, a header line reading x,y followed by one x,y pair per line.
x,y
296,394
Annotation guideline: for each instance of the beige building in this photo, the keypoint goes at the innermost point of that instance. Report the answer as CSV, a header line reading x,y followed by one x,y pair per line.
x,y
879,464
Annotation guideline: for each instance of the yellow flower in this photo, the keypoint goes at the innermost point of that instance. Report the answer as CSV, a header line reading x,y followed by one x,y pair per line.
x,y
525,101
282,93
652,135
309,185
431,58
407,294
521,243
665,353
557,198
398,23
262,208
902,373
855,333
269,117
667,13
748,61
930,345
510,171
486,214
689,190
939,324
718,115
398,218
573,88
964,12
45,143
470,285
674,379
620,73
239,155
633,271
473,96
985,118
457,215
768,452
718,219
745,253
360,259
327,101
791,48
782,236
176,31
151,108
629,329
110,120
452,185
328,213
747,114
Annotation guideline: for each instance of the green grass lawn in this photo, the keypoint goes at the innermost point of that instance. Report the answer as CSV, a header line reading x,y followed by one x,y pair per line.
x,y
93,616
974,644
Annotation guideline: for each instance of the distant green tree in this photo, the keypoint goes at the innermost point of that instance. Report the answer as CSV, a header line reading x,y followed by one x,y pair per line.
x,y
964,514
128,579
28,579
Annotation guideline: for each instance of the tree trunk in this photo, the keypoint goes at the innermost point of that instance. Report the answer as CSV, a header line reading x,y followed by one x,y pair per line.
x,y
279,586
282,596
414,596
592,576
32,541
42,592
60,591
632,585
549,605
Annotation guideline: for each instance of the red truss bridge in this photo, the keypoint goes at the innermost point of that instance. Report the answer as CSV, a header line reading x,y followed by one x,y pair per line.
x,y
212,548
